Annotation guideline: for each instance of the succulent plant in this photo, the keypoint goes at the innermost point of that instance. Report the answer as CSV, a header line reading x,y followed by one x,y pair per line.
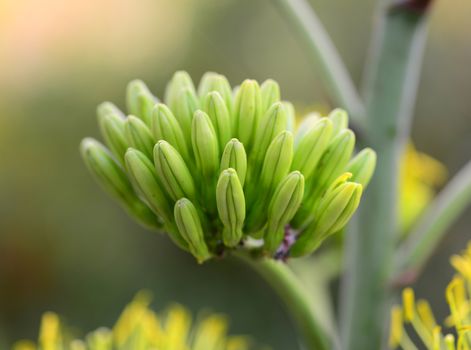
x,y
222,169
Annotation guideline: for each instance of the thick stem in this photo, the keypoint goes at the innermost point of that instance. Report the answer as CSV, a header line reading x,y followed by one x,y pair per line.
x,y
432,226
390,91
325,56
278,275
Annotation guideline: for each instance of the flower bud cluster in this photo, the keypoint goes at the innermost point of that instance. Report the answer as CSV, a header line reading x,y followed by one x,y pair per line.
x,y
219,168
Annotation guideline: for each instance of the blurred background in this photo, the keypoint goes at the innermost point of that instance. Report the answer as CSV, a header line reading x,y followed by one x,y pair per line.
x,y
65,246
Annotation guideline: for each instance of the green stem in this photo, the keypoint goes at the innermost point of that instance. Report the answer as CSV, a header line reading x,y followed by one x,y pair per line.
x,y
433,224
390,91
325,55
278,275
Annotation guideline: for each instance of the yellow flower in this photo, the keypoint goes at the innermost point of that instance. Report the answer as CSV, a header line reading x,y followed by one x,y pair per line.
x,y
140,328
420,317
420,175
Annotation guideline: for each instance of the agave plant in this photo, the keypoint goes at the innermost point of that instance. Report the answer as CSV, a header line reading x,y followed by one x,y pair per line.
x,y
221,169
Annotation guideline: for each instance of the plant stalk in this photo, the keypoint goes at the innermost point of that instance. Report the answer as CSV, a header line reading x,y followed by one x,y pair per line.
x,y
432,226
391,85
279,276
325,55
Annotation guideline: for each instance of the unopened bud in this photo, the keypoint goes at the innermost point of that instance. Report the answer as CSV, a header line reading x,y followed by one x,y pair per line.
x,y
272,124
306,124
189,225
113,179
217,111
218,83
205,144
111,122
109,108
186,104
173,172
335,158
275,167
339,120
291,116
180,80
362,166
140,101
166,127
247,110
138,135
231,206
334,211
277,160
234,156
142,173
330,166
311,147
270,93
283,206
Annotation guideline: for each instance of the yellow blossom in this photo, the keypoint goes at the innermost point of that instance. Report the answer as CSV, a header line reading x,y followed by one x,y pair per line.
x,y
140,328
420,175
419,314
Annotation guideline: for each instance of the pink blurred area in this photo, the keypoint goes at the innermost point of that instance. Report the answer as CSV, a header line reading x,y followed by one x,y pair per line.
x,y
41,38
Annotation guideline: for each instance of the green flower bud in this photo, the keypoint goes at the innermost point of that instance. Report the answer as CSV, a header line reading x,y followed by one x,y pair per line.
x,y
138,135
270,91
307,123
331,165
283,206
240,148
206,83
218,83
339,120
111,122
234,156
235,91
272,124
189,225
165,127
362,166
217,111
109,108
247,110
340,180
311,147
231,206
277,160
335,158
142,173
186,105
275,167
291,116
334,211
140,101
180,80
114,181
205,145
173,172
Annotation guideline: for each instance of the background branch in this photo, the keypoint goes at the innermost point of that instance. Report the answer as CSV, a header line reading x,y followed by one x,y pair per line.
x,y
323,52
392,79
296,299
420,244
